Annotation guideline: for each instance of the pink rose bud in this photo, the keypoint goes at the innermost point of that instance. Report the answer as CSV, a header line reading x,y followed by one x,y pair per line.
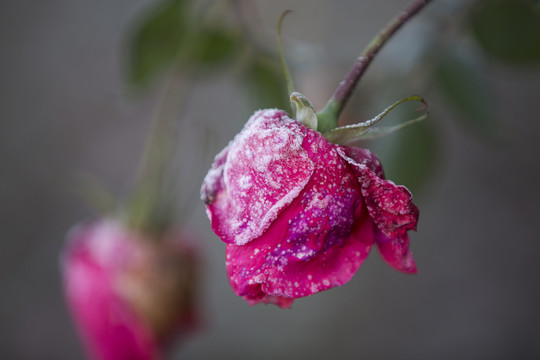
x,y
129,295
300,214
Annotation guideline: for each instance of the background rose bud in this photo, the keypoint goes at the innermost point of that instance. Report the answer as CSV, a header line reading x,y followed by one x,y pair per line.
x,y
129,295
300,214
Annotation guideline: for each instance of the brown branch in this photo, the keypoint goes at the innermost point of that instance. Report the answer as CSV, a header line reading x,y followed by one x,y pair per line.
x,y
346,87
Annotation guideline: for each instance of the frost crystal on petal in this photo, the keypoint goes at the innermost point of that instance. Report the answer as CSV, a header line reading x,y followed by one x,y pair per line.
x,y
392,210
300,214
265,169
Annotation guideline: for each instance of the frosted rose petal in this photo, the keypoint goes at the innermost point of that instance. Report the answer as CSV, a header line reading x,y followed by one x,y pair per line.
x,y
266,168
213,182
389,205
364,157
256,272
330,268
392,210
318,242
396,252
299,214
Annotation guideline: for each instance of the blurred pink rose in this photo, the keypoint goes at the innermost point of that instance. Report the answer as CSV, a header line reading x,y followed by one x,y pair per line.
x,y
129,295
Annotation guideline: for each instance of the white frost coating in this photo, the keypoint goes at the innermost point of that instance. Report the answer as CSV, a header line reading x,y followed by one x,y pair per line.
x,y
353,162
263,160
244,181
212,175
211,179
318,203
304,254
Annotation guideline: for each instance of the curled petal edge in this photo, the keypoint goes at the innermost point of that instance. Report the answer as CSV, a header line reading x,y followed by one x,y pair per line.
x,y
392,211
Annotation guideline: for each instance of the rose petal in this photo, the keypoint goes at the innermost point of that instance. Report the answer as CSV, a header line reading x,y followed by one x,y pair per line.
x,y
391,208
396,252
213,182
266,167
318,242
366,157
255,272
330,268
389,205
107,325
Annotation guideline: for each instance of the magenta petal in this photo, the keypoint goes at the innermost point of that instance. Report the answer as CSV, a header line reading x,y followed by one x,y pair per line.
x,y
105,321
389,205
258,273
396,252
130,296
318,242
330,268
266,167
365,157
248,265
391,208
213,182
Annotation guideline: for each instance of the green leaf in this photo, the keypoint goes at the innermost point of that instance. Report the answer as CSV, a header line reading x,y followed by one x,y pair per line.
x,y
463,83
508,29
378,132
209,47
265,83
157,40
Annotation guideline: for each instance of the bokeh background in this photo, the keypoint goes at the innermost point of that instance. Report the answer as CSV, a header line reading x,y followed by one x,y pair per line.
x,y
67,109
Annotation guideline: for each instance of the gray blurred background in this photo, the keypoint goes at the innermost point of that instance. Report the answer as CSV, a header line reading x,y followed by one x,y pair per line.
x,y
65,111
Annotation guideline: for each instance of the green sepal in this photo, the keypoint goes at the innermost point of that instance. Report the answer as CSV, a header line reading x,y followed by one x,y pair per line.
x,y
305,113
328,117
377,132
363,130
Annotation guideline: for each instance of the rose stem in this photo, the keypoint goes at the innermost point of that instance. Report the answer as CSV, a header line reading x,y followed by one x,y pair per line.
x,y
337,102
145,203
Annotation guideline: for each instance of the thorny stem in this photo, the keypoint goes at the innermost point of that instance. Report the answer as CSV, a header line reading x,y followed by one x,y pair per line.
x,y
346,87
